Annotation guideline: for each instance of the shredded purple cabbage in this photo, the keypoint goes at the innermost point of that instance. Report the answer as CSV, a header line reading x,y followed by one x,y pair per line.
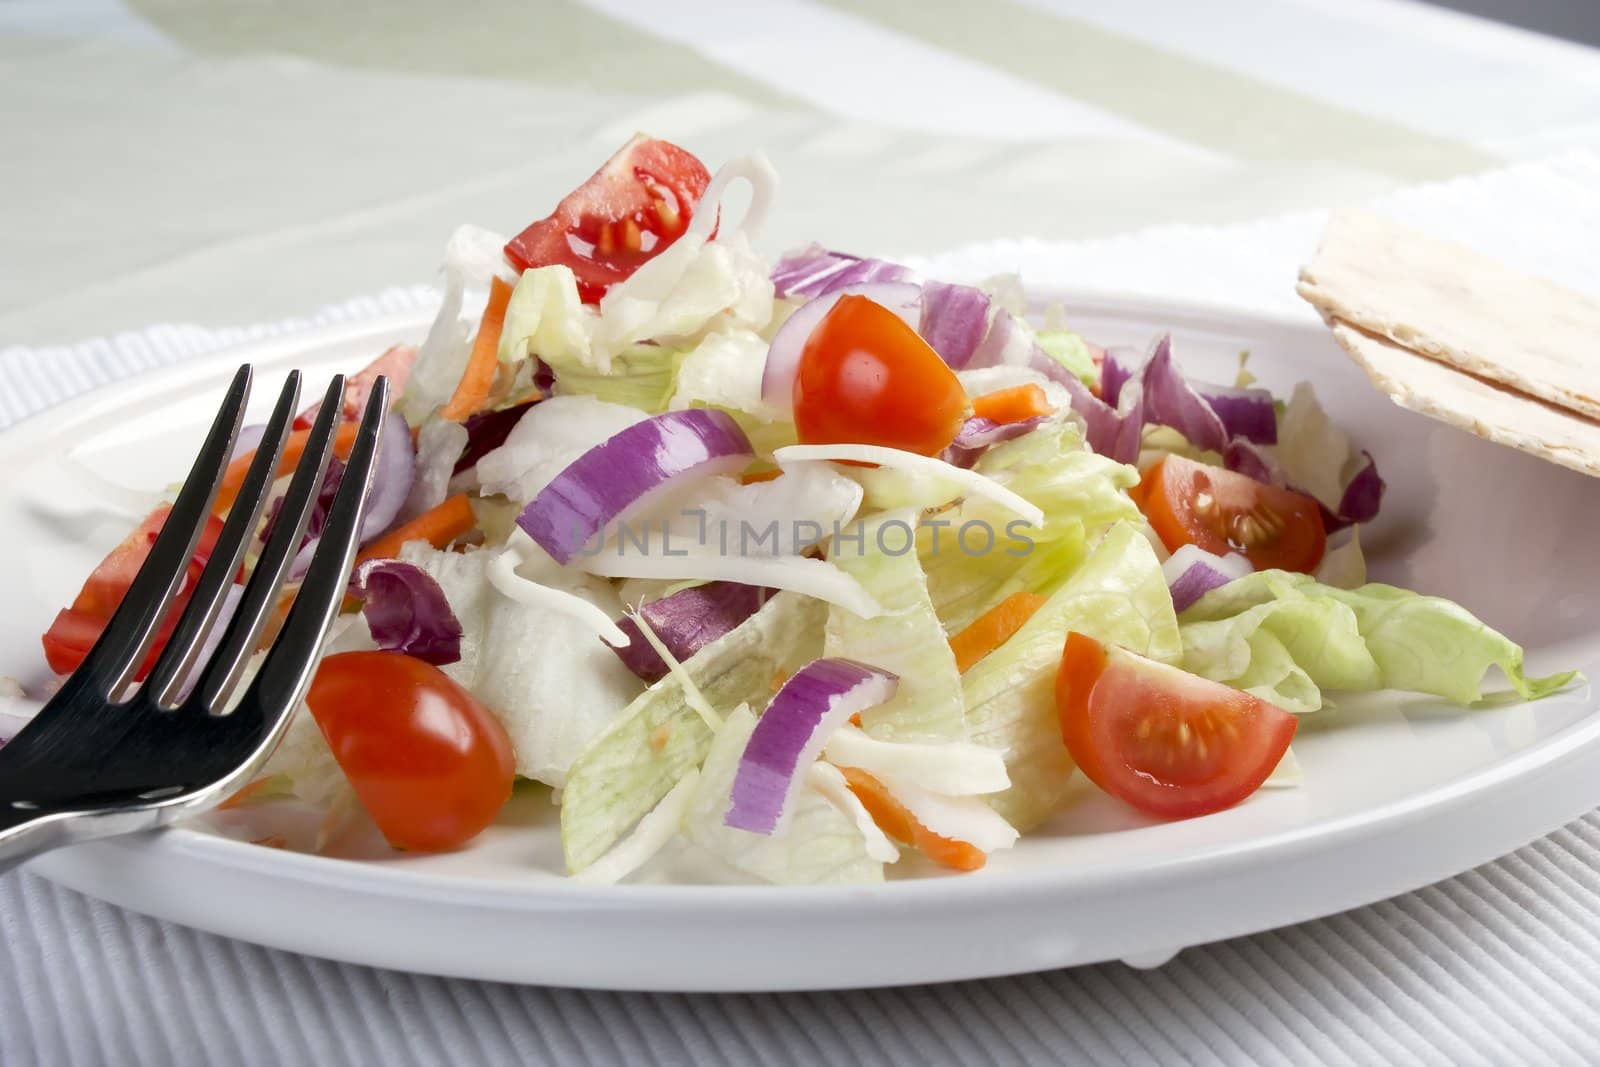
x,y
407,611
977,434
686,622
487,431
815,271
955,319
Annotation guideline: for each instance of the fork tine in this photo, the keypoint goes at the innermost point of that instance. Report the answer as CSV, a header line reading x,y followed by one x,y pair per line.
x,y
210,593
111,662
290,662
261,594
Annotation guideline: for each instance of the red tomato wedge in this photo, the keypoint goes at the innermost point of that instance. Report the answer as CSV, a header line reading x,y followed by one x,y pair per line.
x,y
76,629
430,764
1190,503
395,364
866,377
1165,741
627,212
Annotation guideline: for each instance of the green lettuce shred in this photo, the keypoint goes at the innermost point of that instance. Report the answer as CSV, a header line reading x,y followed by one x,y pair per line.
x,y
906,639
1286,638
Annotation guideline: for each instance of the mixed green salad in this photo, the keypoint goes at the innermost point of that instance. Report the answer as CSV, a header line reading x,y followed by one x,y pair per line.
x,y
806,567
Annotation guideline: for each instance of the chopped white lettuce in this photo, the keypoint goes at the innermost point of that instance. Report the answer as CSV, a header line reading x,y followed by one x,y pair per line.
x,y
641,376
1118,596
783,516
954,768
547,440
800,574
816,844
1344,566
472,257
659,737
508,582
935,471
553,685
1317,457
1054,469
724,371
1286,637
960,818
904,639
1287,774
546,318
659,826
440,443
826,779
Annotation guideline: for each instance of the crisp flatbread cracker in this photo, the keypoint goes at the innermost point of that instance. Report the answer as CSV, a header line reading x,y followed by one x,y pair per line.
x,y
1487,409
1460,307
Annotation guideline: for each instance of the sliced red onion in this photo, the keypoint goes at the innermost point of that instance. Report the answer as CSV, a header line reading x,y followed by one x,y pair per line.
x,y
1120,364
978,433
1192,572
1363,494
815,701
686,622
1171,401
815,271
392,475
1251,461
1245,412
783,355
955,319
487,431
407,611
605,482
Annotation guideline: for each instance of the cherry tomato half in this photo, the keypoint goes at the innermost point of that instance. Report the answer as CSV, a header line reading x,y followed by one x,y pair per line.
x,y
1165,741
627,212
430,764
76,628
1190,503
867,377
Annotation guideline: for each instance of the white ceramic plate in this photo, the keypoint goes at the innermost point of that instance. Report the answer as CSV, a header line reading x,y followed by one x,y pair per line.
x,y
1398,792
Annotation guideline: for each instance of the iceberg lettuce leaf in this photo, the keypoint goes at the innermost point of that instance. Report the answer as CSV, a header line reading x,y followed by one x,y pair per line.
x,y
1372,637
906,639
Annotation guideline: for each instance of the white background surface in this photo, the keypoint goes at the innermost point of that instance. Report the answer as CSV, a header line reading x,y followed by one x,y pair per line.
x,y
157,174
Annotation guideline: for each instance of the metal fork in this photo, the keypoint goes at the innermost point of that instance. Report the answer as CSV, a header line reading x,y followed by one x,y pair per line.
x,y
97,761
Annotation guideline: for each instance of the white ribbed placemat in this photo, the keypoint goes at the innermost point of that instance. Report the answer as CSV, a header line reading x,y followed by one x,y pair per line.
x,y
1500,965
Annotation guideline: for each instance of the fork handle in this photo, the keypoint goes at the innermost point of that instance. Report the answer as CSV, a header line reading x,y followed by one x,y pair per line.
x,y
26,833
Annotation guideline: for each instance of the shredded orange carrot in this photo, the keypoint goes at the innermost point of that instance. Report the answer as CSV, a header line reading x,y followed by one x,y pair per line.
x,y
1012,405
993,628
472,392
893,819
344,439
438,527
761,476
